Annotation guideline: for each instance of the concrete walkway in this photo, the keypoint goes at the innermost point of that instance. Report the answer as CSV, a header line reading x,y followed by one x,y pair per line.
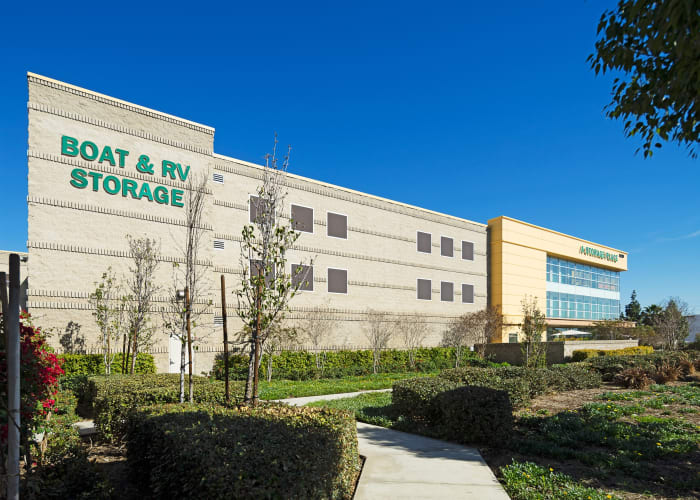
x,y
402,465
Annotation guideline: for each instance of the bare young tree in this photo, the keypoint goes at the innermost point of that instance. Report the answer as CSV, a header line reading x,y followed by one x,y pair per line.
x,y
266,287
279,336
672,324
189,291
142,290
379,328
532,328
493,325
108,311
463,332
412,330
316,326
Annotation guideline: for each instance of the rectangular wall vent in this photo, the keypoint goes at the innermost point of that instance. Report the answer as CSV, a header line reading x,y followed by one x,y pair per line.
x,y
219,244
218,320
219,178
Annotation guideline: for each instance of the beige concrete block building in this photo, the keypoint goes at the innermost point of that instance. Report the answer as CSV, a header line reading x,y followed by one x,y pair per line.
x,y
101,169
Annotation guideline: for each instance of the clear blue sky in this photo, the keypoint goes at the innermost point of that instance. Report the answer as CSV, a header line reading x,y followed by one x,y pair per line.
x,y
465,108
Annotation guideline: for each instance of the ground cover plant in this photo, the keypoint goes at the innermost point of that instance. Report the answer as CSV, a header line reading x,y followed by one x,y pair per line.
x,y
269,451
528,481
628,443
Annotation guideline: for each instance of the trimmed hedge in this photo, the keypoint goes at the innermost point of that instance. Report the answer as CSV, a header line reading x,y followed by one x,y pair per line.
x,y
474,414
520,384
270,451
573,376
117,397
301,365
416,398
584,354
93,364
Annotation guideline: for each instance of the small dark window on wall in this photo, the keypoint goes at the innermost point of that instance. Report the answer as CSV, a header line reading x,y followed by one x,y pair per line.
x,y
467,294
424,242
337,225
256,269
303,276
303,218
446,246
424,289
513,338
255,207
447,291
467,250
337,281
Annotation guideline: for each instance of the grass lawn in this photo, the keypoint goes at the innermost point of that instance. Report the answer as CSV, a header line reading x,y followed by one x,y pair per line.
x,y
595,443
281,389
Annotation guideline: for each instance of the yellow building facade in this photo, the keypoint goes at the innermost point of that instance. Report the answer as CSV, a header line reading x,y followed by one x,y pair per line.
x,y
577,282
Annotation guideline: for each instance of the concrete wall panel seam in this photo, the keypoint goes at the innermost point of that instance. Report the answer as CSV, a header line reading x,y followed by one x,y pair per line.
x,y
111,102
120,129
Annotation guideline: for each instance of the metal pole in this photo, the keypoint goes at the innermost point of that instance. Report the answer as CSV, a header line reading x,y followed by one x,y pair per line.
x,y
223,314
189,338
12,348
3,292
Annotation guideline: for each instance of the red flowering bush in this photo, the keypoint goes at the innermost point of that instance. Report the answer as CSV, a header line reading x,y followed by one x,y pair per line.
x,y
39,372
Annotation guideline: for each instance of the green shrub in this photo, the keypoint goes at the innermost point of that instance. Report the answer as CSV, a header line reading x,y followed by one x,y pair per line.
x,y
304,365
634,378
271,451
93,364
63,469
416,398
573,376
515,380
116,397
476,415
584,354
609,366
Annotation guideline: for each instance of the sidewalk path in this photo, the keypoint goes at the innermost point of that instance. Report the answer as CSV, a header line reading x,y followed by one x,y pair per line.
x,y
402,465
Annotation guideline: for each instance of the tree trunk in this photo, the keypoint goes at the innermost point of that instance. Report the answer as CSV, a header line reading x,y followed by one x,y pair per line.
x,y
182,371
125,359
269,366
134,353
108,359
248,396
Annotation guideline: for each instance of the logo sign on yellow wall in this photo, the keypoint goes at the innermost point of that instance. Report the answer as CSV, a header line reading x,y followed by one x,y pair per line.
x,y
600,254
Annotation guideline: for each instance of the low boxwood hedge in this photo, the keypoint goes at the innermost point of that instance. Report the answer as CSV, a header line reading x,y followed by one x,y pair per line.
x,y
416,398
473,414
93,364
271,451
116,397
538,381
304,365
584,354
